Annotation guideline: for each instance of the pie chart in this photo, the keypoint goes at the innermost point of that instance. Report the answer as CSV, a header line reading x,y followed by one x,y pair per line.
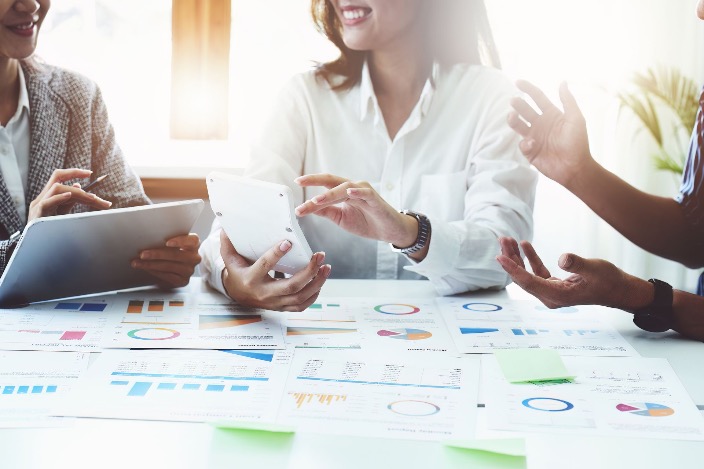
x,y
405,334
646,409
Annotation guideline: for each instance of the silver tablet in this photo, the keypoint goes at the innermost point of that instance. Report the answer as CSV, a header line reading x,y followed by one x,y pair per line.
x,y
86,253
256,215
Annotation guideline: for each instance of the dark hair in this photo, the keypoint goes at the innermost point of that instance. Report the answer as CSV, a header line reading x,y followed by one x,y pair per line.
x,y
457,31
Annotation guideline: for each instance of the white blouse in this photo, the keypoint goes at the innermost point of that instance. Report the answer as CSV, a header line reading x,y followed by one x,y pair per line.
x,y
455,159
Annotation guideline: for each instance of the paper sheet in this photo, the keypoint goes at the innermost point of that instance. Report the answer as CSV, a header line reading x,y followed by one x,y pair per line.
x,y
482,325
71,325
394,396
182,385
195,321
636,397
384,325
32,383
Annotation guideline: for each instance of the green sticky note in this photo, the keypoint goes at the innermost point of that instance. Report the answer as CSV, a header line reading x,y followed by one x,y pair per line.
x,y
534,364
508,446
254,426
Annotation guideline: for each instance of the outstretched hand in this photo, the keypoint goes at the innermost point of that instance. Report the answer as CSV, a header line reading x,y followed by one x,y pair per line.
x,y
555,142
593,281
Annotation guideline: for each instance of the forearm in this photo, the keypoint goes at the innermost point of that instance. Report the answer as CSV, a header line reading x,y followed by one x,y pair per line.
x,y
688,309
656,224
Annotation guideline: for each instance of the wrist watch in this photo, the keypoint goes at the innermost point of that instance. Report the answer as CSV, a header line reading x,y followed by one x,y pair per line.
x,y
657,316
423,234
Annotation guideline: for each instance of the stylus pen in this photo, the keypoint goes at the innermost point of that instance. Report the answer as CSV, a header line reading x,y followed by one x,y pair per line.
x,y
92,185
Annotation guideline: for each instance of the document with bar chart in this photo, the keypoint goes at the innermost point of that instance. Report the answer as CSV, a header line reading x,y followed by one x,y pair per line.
x,y
482,325
400,396
632,397
182,385
193,321
327,323
74,325
32,383
383,325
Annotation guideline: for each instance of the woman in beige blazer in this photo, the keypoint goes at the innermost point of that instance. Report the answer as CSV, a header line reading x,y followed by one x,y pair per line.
x,y
54,137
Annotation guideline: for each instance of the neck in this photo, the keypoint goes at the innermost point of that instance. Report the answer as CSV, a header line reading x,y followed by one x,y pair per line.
x,y
398,76
400,70
9,85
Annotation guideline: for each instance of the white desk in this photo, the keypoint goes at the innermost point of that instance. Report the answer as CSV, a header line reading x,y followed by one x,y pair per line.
x,y
96,443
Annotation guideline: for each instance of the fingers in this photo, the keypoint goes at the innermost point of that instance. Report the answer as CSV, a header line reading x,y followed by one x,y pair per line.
x,y
536,264
78,196
301,278
509,248
569,103
307,295
573,263
189,242
536,95
518,274
270,258
525,110
361,190
62,175
517,124
182,256
325,180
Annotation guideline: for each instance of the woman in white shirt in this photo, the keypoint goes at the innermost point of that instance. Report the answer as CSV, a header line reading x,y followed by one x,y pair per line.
x,y
406,118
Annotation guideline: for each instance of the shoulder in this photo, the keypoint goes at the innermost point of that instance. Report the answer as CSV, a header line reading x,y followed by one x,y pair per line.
x,y
71,87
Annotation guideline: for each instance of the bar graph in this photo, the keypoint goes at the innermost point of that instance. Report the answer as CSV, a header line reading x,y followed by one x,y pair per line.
x,y
142,388
86,307
28,389
303,398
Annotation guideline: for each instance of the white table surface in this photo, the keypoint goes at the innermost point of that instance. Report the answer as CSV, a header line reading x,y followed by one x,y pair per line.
x,y
102,443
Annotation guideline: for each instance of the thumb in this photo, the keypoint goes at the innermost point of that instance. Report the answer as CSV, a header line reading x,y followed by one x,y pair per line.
x,y
569,103
229,253
572,263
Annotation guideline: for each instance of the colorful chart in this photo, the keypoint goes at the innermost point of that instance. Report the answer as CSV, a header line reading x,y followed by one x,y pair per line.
x,y
317,330
482,307
302,398
220,321
477,330
141,388
405,334
27,389
88,307
647,409
396,309
153,333
321,305
264,356
547,404
413,408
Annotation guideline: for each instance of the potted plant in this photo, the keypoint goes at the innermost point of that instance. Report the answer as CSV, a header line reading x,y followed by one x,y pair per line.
x,y
664,95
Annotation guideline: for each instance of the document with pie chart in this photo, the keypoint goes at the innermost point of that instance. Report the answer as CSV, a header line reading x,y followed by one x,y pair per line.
x,y
632,397
484,324
192,321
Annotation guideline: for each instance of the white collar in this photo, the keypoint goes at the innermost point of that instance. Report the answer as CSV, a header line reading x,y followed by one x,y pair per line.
x,y
368,98
24,97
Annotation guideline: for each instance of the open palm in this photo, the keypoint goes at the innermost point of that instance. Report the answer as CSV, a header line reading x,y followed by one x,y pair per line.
x,y
555,142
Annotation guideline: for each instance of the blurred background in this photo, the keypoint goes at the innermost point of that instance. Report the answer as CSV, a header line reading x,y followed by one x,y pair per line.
x,y
188,82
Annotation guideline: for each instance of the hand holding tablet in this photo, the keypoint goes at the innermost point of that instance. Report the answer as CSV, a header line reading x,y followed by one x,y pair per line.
x,y
261,234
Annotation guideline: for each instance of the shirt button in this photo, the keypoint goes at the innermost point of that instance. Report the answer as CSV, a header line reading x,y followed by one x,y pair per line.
x,y
390,186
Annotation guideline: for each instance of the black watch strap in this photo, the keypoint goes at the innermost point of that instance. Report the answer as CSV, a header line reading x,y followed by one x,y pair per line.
x,y
657,316
423,234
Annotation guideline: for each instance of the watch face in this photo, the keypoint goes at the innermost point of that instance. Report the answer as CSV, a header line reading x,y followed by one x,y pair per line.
x,y
651,322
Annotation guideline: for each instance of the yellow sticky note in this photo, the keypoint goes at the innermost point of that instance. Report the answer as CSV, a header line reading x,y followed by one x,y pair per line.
x,y
534,364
